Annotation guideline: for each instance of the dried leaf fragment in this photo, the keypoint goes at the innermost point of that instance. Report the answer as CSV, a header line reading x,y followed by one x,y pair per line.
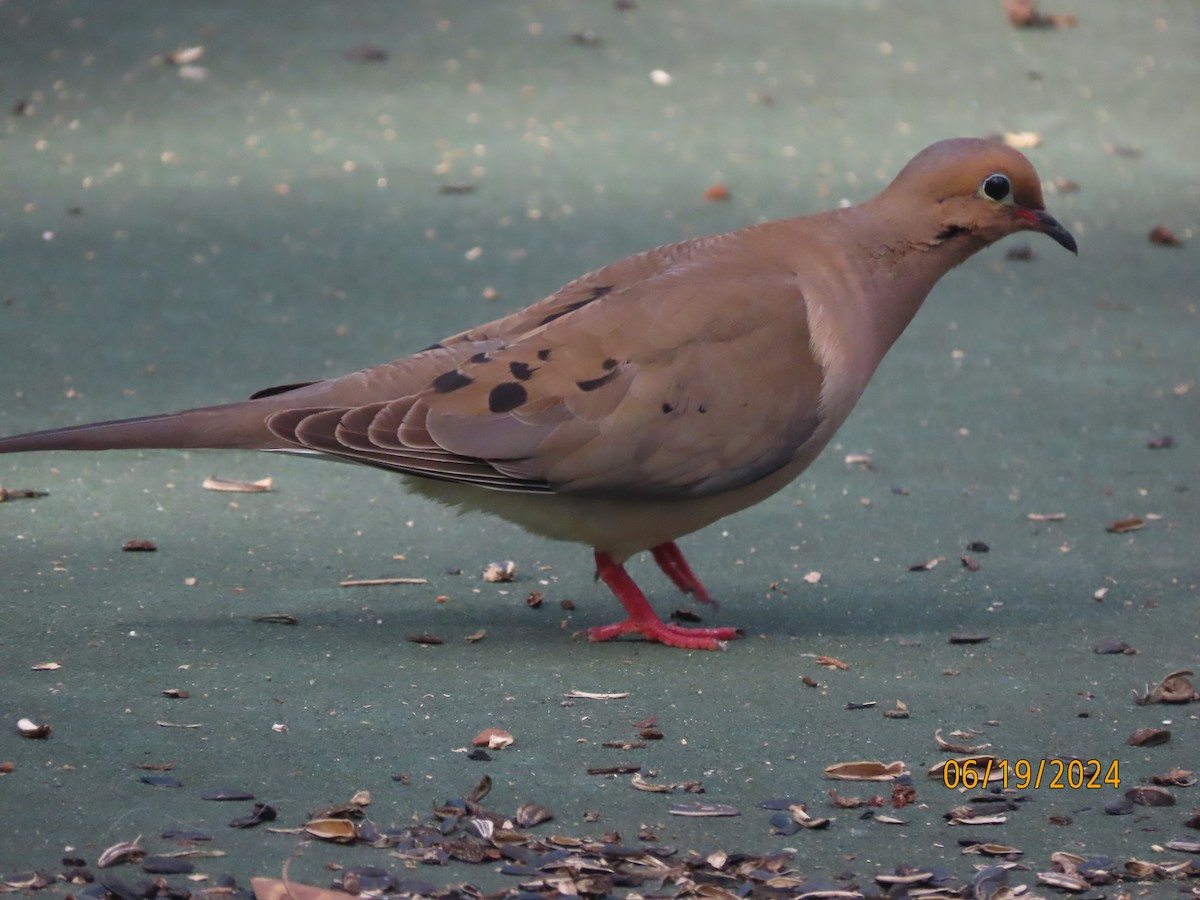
x,y
139,546
1046,517
593,695
866,770
46,666
232,486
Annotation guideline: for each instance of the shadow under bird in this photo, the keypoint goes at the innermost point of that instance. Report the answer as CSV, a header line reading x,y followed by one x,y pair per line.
x,y
651,397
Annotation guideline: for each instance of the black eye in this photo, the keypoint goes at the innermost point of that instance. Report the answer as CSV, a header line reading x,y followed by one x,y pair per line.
x,y
997,187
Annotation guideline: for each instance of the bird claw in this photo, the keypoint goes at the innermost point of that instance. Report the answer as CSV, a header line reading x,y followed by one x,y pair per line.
x,y
669,634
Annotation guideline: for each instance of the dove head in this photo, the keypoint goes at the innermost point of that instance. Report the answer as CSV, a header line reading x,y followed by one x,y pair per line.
x,y
978,192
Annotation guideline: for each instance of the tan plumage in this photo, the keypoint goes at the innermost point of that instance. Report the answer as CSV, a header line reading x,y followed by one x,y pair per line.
x,y
655,395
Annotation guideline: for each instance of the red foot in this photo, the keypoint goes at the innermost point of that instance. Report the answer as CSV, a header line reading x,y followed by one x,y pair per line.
x,y
670,559
642,619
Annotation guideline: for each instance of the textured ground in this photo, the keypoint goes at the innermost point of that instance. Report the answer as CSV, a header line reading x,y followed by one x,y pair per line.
x,y
169,240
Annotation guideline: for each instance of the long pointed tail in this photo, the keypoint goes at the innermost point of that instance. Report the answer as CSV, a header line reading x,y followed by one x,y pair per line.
x,y
232,426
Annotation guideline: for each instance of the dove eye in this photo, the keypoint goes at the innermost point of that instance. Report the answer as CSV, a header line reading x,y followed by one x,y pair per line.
x,y
997,187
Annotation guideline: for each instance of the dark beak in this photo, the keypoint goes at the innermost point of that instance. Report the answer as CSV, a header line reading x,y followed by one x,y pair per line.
x,y
1040,220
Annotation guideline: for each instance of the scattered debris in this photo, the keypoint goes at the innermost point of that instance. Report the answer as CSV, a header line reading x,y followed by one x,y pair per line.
x,y
1025,14
30,729
367,53
1165,237
20,494
213,483
1149,737
500,571
1175,688
139,546
375,582
1121,526
867,770
493,739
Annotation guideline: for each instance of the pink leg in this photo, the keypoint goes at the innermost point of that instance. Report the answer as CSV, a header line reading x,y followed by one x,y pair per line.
x,y
670,559
644,621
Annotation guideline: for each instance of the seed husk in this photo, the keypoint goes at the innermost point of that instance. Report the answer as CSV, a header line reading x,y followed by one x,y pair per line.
x,y
1150,795
28,728
166,865
866,770
339,831
493,739
703,810
428,640
531,814
500,571
968,749
125,851
1149,737
1122,526
232,486
1175,688
641,784
972,638
261,812
1176,777
278,619
226,794
1114,646
376,582
139,546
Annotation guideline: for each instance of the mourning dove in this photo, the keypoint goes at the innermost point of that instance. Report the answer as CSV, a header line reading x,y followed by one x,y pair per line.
x,y
653,396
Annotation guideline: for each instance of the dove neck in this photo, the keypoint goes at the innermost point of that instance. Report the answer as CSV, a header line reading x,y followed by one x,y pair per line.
x,y
906,257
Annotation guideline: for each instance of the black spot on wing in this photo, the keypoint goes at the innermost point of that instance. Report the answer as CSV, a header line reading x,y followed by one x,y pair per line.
x,y
279,389
506,397
451,381
597,292
544,355
592,384
521,371
480,358
437,346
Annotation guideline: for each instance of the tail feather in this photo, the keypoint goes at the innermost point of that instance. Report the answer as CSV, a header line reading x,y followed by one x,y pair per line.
x,y
232,426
